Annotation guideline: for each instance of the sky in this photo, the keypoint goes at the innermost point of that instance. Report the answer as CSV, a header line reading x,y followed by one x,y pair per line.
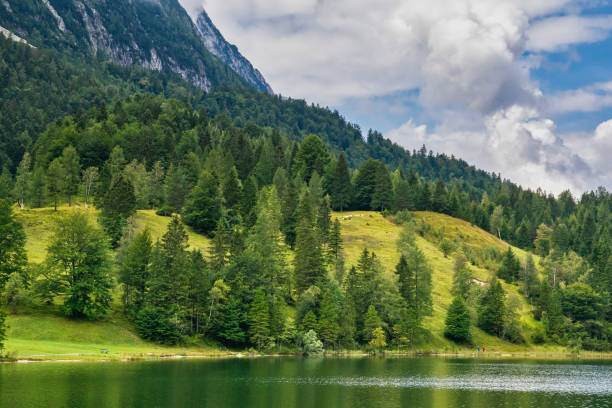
x,y
521,87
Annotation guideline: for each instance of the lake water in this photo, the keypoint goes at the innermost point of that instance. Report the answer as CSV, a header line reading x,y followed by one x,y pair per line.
x,y
294,382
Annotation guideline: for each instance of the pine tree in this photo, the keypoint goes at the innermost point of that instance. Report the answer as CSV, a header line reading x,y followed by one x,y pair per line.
x,y
203,208
176,187
371,322
531,282
37,188
378,339
309,322
492,309
134,271
341,187
118,205
72,172
328,325
312,156
259,317
248,202
457,325
335,250
365,184
510,267
290,214
55,181
522,237
324,220
440,197
382,196
462,278
309,265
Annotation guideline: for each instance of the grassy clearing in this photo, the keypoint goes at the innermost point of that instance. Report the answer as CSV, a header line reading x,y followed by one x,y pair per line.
x,y
43,334
39,224
371,230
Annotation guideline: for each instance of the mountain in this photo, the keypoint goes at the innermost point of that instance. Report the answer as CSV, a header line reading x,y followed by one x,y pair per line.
x,y
229,54
154,34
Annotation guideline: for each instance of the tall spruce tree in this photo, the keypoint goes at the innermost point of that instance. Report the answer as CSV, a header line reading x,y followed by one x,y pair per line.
x,y
341,187
118,205
493,309
510,267
457,324
382,196
259,318
203,208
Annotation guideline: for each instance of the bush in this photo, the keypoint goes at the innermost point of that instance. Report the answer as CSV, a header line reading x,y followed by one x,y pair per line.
x,y
403,217
166,211
155,324
311,344
539,337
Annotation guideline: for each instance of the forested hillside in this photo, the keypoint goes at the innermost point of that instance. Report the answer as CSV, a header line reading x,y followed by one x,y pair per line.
x,y
280,269
250,253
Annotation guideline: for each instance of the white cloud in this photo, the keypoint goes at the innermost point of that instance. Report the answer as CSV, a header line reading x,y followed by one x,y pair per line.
x,y
466,58
556,33
591,98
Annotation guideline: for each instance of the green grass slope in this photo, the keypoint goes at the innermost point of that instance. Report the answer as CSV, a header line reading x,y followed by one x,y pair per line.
x,y
44,333
371,230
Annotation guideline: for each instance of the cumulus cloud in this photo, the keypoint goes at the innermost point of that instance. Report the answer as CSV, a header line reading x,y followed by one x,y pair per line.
x,y
556,33
468,62
590,98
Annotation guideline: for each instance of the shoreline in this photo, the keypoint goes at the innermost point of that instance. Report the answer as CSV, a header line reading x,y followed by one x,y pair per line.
x,y
559,356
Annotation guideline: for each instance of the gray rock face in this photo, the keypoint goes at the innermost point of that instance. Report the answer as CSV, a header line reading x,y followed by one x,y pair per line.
x,y
154,34
229,54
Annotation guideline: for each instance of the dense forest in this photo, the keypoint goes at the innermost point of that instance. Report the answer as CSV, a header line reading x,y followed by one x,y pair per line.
x,y
260,195
260,175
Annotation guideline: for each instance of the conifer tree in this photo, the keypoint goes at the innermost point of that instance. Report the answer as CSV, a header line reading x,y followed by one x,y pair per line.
x,y
382,196
309,268
462,278
259,317
324,220
55,181
510,267
328,324
176,187
309,322
457,324
312,156
290,214
440,197
37,188
492,309
371,322
118,205
341,185
365,184
134,271
203,208
248,202
72,172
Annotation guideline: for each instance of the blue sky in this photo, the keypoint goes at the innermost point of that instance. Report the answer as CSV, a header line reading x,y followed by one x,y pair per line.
x,y
520,87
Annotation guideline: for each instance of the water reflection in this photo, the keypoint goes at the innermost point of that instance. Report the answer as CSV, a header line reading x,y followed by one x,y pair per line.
x,y
289,382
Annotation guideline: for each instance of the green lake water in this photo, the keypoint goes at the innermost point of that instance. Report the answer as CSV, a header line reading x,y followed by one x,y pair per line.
x,y
295,382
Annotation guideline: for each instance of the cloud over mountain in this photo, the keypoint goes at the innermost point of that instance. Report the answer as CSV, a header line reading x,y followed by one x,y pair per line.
x,y
469,61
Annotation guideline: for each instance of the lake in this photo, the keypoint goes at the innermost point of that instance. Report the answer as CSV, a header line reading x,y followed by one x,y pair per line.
x,y
295,382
